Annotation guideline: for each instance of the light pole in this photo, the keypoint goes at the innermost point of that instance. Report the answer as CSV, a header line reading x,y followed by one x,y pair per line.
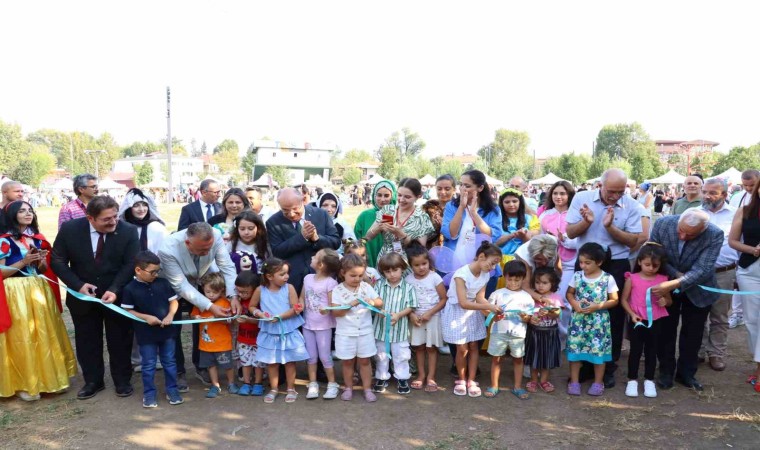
x,y
96,152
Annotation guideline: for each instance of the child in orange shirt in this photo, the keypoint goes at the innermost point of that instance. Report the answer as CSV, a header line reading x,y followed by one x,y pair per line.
x,y
215,341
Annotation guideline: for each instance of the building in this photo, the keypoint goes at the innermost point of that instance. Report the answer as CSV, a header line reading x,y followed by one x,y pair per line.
x,y
300,160
368,169
185,170
680,155
465,160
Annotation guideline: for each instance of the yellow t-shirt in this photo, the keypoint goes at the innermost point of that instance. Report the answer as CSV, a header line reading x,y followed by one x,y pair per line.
x,y
214,336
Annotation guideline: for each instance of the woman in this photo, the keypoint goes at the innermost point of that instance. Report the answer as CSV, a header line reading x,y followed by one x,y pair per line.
x,y
384,193
541,251
517,226
645,197
35,352
334,206
140,210
402,223
445,188
744,237
233,203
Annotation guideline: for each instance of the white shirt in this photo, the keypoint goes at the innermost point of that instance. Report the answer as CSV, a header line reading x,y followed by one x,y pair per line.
x,y
358,321
427,291
204,210
723,219
505,299
94,235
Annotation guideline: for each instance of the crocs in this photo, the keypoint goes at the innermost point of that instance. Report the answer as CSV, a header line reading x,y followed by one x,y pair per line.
x,y
573,388
245,390
213,392
596,389
369,396
347,395
258,390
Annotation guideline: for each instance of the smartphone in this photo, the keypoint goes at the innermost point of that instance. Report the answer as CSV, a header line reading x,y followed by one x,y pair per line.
x,y
387,219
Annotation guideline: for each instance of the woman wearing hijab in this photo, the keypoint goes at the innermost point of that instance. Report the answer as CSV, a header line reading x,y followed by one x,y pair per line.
x,y
140,210
384,193
334,206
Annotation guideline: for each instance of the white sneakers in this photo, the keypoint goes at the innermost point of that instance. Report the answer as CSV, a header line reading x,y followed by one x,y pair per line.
x,y
735,320
312,391
632,389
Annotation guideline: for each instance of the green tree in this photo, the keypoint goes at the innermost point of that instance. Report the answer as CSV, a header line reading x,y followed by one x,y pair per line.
x,y
451,167
407,169
144,148
424,167
279,175
204,150
389,163
405,142
143,173
622,139
33,168
507,155
602,162
645,164
226,156
677,162
352,175
247,163
740,158
227,144
569,166
12,146
706,163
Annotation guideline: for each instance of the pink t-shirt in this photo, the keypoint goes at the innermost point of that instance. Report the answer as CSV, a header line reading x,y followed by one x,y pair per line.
x,y
315,297
638,299
543,319
555,222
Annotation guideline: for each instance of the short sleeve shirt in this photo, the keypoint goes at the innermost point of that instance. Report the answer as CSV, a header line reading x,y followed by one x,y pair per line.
x,y
214,336
507,300
315,298
358,321
395,299
153,299
426,289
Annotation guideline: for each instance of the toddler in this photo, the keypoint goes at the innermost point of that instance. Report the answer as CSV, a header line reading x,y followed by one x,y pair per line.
x,y
542,345
248,329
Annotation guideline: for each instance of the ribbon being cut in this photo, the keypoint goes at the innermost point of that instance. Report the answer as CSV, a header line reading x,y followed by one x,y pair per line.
x,y
388,319
530,312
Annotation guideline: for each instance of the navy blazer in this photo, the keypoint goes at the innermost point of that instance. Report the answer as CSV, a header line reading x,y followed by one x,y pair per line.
x,y
696,263
192,213
74,263
287,242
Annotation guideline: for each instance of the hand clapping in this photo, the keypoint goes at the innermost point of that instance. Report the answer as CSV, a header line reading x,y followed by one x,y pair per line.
x,y
586,213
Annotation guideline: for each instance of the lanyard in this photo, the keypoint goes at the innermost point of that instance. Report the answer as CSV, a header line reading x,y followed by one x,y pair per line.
x,y
398,220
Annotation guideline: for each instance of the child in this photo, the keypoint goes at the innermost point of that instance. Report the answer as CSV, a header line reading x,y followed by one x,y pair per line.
x,y
215,342
542,345
648,272
354,338
371,275
399,300
510,327
317,330
426,319
461,323
248,329
248,245
153,300
279,340
591,293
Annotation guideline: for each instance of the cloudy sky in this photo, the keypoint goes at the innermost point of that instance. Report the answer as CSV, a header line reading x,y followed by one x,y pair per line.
x,y
351,72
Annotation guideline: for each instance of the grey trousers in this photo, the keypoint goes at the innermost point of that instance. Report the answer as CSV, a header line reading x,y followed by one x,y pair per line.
x,y
715,338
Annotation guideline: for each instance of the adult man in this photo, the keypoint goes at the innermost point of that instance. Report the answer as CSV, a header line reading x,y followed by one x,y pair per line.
x,y
715,341
85,189
531,204
100,269
205,208
11,191
254,198
185,257
750,178
692,187
692,245
609,217
298,232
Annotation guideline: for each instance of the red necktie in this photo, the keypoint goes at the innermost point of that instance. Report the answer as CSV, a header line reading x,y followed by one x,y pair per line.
x,y
99,249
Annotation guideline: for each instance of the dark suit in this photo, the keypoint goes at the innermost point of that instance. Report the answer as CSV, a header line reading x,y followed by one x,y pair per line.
x,y
74,263
192,213
289,244
692,304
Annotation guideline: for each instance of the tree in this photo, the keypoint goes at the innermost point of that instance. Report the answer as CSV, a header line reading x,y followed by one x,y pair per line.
x,y
279,175
389,163
621,140
226,156
12,146
740,158
204,150
645,164
406,143
706,163
602,162
144,148
407,169
227,144
33,168
507,155
569,166
143,173
451,167
424,167
247,163
195,152
352,175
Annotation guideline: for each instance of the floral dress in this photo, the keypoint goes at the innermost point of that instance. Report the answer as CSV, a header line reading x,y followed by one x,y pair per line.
x,y
589,337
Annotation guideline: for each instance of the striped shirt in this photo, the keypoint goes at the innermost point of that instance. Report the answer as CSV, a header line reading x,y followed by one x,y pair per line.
x,y
395,299
74,209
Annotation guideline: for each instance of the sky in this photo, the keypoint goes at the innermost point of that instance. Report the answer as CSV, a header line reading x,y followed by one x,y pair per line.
x,y
349,73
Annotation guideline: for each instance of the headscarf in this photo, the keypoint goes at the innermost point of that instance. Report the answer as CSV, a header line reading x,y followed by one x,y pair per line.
x,y
384,184
133,196
367,218
333,197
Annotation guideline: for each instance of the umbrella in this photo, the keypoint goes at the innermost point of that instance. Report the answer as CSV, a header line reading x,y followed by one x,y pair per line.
x,y
672,177
427,180
549,178
732,176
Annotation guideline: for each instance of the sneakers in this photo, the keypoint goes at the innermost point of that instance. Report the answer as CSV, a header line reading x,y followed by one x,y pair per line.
x,y
632,388
213,392
27,397
149,402
380,386
332,391
182,383
403,387
736,320
650,389
312,390
202,374
174,398
245,390
232,388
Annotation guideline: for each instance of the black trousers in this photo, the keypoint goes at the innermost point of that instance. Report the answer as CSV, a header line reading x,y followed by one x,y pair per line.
x,y
643,341
88,336
185,306
692,328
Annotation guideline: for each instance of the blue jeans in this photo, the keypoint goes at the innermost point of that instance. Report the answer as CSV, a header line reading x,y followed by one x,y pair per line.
x,y
150,353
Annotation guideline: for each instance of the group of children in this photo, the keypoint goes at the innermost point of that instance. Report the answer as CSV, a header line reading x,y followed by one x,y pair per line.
x,y
364,313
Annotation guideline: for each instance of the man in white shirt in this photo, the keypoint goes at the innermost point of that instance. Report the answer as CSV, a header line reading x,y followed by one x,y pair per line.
x,y
715,338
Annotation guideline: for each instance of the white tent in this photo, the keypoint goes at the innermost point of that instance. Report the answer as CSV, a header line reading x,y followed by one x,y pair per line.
x,y
672,177
157,184
316,180
265,180
493,181
549,178
107,184
732,176
64,184
427,180
374,179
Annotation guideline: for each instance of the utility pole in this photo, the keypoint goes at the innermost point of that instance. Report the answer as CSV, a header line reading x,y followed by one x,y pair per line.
x,y
169,144
96,153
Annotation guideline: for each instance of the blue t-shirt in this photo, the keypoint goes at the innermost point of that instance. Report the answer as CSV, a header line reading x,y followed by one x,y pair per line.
x,y
150,298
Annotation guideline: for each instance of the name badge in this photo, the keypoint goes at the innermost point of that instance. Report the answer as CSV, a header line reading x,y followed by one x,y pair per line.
x,y
397,247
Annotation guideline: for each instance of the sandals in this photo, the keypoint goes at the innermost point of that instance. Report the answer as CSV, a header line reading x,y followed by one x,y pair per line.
x,y
271,395
491,392
416,384
522,394
473,389
292,396
547,386
431,386
531,386
596,389
460,388
752,379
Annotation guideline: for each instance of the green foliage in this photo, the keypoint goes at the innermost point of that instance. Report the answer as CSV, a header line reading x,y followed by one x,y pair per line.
x,y
645,164
397,148
225,145
424,166
12,146
602,162
451,167
226,156
144,148
279,175
407,169
622,139
342,164
32,169
740,158
507,155
570,167
389,163
247,163
143,173
352,175
705,164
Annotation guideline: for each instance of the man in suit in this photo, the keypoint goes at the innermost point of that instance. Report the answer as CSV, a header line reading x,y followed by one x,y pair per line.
x,y
205,208
186,256
298,232
94,255
692,245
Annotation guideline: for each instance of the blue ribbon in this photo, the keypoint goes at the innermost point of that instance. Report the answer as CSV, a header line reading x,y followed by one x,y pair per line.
x,y
650,318
530,312
726,291
388,319
338,307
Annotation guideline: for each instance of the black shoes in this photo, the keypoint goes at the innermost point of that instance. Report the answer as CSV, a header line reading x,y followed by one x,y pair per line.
x,y
609,380
89,390
665,382
690,383
124,390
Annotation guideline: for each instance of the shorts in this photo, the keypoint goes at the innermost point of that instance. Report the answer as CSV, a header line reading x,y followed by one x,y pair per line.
x,y
350,347
499,343
221,360
428,334
247,354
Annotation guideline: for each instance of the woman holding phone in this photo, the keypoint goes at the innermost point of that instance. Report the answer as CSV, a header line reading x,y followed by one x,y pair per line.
x,y
35,351
384,193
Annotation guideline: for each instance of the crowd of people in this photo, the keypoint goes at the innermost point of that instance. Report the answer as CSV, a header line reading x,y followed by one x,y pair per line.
x,y
531,276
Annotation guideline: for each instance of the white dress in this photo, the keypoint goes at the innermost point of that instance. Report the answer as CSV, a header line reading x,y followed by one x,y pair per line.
x,y
459,325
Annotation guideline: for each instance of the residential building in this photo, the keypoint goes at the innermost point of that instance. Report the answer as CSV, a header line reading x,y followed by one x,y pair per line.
x,y
300,160
185,170
465,160
681,155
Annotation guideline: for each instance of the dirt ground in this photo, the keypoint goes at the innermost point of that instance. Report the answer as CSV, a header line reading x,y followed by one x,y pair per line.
x,y
725,415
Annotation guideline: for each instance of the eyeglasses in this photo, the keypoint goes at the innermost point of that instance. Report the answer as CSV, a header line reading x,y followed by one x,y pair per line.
x,y
152,272
92,186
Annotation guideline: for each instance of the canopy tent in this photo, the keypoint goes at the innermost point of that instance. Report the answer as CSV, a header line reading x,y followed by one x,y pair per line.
x,y
316,180
549,178
672,177
64,184
374,179
732,176
427,180
265,180
107,184
157,184
493,181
